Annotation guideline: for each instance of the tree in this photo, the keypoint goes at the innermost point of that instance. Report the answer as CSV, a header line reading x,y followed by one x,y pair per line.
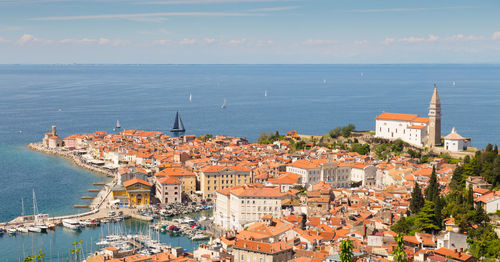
x,y
417,199
399,250
346,130
457,179
361,149
496,171
35,258
426,218
346,250
432,190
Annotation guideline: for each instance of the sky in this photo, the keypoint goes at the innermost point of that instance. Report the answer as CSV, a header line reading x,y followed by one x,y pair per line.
x,y
249,31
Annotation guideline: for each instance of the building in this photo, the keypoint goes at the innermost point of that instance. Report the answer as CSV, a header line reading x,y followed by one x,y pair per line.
x,y
168,189
241,205
52,140
363,175
452,240
455,142
310,172
247,250
187,178
411,128
213,178
133,192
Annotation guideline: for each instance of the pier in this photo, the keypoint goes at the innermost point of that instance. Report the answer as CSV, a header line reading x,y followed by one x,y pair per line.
x,y
87,197
94,190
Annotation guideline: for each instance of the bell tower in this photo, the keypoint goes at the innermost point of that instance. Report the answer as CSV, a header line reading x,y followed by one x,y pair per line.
x,y
434,119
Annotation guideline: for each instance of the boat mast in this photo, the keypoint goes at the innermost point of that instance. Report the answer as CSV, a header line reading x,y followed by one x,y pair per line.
x,y
35,208
22,207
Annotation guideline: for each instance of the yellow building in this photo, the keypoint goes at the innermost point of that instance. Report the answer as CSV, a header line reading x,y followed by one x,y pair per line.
x,y
213,178
134,192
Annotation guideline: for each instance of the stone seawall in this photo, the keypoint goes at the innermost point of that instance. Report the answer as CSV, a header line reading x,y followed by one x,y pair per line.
x,y
77,160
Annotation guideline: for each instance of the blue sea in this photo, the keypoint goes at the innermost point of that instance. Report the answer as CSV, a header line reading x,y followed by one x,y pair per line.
x,y
309,98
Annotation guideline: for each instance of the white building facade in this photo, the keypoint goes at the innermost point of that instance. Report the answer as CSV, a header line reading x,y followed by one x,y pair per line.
x,y
241,205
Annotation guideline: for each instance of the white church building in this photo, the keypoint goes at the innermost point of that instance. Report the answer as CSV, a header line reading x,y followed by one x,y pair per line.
x,y
411,128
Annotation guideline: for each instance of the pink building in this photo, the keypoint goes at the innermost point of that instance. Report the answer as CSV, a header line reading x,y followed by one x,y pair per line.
x,y
168,190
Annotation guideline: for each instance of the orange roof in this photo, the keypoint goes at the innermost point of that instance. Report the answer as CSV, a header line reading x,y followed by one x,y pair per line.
x,y
135,181
421,120
396,116
270,248
169,180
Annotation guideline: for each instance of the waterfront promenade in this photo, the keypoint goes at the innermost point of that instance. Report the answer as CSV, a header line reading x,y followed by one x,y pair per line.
x,y
99,207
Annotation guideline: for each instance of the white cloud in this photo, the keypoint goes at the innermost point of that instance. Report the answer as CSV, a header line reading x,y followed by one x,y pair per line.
x,y
209,40
77,41
142,15
104,41
495,36
412,39
264,42
461,37
405,9
161,42
273,9
360,42
389,40
237,42
319,42
188,41
28,38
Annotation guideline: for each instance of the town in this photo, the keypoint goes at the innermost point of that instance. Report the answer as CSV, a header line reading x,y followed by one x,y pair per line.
x,y
274,202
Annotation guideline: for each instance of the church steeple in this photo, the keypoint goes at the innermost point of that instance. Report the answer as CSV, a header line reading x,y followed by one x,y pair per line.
x,y
434,119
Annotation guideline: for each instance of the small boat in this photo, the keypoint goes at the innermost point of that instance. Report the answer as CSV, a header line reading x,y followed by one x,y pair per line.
x,y
22,229
199,236
34,229
453,83
265,93
118,126
71,224
60,110
324,81
20,131
43,228
11,231
223,106
190,97
178,126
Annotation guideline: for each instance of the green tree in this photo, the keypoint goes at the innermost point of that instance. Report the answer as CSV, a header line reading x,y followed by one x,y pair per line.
x,y
35,258
399,250
425,220
417,199
346,130
346,250
362,149
432,190
457,179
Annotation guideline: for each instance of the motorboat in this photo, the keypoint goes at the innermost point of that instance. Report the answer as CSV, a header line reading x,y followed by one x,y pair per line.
x,y
71,224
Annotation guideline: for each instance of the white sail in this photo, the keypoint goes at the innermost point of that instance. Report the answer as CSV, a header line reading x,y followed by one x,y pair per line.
x,y
224,105
265,93
118,124
190,97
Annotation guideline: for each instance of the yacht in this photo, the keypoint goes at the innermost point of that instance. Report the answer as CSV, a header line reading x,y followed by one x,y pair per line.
x,y
71,224
34,229
22,229
11,231
223,106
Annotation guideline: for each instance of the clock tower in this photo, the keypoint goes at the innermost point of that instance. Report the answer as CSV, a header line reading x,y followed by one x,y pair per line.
x,y
434,120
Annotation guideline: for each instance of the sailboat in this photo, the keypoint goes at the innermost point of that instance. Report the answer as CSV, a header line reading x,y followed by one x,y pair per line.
x,y
178,126
223,106
265,93
324,81
190,97
37,227
453,83
118,126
